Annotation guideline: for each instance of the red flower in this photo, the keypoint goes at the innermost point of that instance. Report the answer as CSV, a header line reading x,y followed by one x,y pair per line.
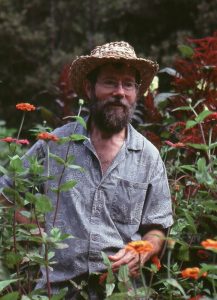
x,y
47,136
198,297
202,254
25,106
211,117
156,261
176,145
8,139
102,278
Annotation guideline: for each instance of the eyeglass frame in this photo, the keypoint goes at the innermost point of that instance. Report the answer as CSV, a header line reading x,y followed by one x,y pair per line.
x,y
114,84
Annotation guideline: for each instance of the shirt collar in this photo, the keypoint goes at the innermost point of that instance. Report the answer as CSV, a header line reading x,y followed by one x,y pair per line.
x,y
134,140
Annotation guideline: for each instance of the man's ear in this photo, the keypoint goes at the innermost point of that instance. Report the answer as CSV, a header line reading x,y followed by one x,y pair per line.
x,y
87,87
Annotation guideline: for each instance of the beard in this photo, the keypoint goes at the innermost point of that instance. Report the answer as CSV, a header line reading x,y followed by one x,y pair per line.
x,y
111,115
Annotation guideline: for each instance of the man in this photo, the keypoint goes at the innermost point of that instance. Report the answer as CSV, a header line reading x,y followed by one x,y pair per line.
x,y
123,194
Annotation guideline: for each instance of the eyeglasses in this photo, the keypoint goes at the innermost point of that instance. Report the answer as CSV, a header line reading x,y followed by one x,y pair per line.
x,y
111,84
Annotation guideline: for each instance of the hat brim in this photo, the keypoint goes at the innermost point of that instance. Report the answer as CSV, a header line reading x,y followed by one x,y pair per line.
x,y
83,65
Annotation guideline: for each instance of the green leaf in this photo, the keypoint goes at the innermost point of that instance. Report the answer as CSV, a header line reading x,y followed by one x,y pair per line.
x,y
43,204
106,260
57,158
212,146
16,164
198,146
190,221
67,185
3,170
10,296
5,283
175,284
109,288
186,51
183,253
209,205
80,120
203,115
61,294
188,167
190,124
201,164
77,137
182,108
123,274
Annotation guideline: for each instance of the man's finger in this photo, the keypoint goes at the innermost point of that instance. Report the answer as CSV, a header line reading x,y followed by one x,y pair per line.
x,y
118,255
124,260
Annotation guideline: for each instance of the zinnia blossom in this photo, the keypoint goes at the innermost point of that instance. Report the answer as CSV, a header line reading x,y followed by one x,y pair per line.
x,y
139,246
209,244
25,106
12,140
22,142
47,136
192,273
176,145
156,261
8,139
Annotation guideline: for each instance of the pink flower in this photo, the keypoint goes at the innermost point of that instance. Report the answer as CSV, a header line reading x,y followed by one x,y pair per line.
x,y
176,145
22,142
12,140
8,140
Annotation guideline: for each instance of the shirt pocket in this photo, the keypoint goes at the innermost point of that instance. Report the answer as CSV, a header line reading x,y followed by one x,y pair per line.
x,y
128,201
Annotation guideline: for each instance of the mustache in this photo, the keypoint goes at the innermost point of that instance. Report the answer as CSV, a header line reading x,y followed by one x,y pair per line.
x,y
116,102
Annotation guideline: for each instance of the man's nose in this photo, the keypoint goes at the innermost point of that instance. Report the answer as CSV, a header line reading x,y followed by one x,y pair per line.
x,y
119,90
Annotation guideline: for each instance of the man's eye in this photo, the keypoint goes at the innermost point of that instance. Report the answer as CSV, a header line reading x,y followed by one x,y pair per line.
x,y
129,84
109,82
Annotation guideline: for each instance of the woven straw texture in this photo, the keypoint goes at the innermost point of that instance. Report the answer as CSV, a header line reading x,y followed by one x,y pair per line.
x,y
111,52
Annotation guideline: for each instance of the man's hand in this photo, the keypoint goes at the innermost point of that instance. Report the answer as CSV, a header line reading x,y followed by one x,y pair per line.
x,y
131,258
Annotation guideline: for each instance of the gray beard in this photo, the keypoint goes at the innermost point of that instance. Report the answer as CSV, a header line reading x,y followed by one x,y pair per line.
x,y
111,115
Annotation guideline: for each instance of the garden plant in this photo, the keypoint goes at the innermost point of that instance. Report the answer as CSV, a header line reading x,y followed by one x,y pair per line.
x,y
182,122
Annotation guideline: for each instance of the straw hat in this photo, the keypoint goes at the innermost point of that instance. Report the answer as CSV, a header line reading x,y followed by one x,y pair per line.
x,y
111,52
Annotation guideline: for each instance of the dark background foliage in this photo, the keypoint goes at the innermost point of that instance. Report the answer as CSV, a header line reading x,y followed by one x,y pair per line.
x,y
40,38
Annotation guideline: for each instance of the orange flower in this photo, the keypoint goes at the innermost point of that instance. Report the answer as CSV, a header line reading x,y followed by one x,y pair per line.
x,y
25,106
139,247
47,136
209,244
192,273
156,261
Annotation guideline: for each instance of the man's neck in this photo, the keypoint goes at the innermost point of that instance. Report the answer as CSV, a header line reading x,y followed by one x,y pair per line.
x,y
98,135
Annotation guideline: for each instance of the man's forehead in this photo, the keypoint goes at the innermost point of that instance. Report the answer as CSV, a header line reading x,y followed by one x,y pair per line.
x,y
116,69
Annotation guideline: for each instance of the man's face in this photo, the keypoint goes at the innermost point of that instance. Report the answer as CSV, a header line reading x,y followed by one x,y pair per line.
x,y
113,98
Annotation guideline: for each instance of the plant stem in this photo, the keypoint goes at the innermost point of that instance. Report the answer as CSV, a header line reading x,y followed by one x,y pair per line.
x,y
47,272
61,176
21,125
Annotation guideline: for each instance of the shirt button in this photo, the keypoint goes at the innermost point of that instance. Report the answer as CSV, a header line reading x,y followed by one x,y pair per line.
x,y
95,237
